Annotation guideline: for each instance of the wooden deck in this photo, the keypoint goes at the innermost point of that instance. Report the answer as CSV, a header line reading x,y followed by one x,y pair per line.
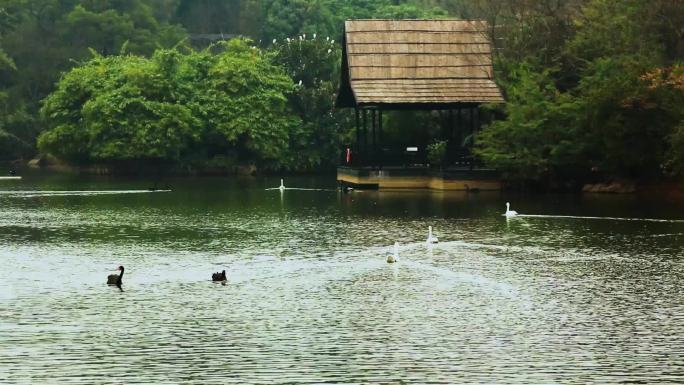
x,y
419,178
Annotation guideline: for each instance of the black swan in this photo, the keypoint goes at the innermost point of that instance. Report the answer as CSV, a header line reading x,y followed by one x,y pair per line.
x,y
218,277
115,279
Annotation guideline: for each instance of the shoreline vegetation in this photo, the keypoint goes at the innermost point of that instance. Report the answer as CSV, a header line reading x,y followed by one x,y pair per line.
x,y
668,189
594,88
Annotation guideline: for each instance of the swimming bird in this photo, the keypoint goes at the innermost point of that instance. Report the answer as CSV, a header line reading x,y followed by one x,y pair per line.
x,y
509,212
431,238
282,186
115,279
394,257
219,277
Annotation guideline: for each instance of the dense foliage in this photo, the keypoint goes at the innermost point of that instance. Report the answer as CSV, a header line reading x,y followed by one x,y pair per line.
x,y
313,63
141,83
43,38
594,88
170,107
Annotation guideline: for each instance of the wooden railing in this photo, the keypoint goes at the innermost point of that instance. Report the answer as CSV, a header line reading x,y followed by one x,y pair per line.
x,y
401,156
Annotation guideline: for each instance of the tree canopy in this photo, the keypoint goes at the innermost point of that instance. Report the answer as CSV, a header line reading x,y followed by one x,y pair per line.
x,y
166,107
593,87
594,101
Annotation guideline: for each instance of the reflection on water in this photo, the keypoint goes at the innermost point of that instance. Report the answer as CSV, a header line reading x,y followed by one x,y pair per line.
x,y
310,297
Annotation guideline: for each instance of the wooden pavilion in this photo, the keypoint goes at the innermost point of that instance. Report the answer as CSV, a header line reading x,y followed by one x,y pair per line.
x,y
433,65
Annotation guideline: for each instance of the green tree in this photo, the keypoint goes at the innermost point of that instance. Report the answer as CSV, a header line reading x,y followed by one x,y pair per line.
x,y
130,108
585,105
48,37
295,17
248,96
106,25
313,63
610,29
665,91
627,130
539,136
15,138
7,21
210,16
119,108
368,9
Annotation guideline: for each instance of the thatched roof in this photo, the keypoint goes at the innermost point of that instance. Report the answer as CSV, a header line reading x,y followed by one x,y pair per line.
x,y
416,62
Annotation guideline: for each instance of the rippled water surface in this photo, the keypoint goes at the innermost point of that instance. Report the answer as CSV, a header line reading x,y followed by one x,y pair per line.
x,y
310,298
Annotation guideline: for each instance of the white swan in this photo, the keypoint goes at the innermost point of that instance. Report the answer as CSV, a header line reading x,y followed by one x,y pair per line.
x,y
431,238
282,186
509,212
394,257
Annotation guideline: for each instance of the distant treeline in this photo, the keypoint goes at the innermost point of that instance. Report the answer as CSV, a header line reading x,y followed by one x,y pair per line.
x,y
595,88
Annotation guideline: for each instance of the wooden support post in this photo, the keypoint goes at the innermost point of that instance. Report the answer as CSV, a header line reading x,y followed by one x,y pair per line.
x,y
472,120
357,148
364,134
459,137
374,145
451,124
451,145
472,132
380,141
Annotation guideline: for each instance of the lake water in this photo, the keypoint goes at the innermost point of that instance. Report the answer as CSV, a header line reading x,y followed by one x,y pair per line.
x,y
310,298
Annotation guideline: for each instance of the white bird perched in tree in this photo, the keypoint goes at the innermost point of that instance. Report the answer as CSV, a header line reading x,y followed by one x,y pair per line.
x,y
300,83
327,38
332,41
329,50
304,35
314,36
274,41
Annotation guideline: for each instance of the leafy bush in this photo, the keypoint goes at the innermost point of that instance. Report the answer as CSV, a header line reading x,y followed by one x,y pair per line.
x,y
436,152
129,107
